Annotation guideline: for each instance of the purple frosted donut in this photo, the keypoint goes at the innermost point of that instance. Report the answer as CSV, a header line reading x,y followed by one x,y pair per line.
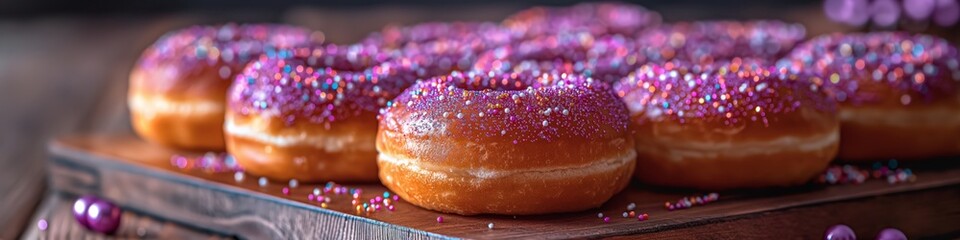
x,y
439,48
606,58
396,37
562,138
720,125
708,41
898,92
309,113
178,85
595,18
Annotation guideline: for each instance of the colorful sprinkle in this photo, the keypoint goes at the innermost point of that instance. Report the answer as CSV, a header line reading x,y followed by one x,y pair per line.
x,y
336,83
238,176
42,225
708,41
594,18
855,68
692,201
490,94
262,182
732,93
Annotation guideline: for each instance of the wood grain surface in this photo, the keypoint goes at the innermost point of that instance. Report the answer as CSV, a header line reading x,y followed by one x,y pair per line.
x,y
56,211
139,176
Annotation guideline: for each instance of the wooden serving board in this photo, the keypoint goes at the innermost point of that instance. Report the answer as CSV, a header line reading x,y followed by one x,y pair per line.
x,y
139,177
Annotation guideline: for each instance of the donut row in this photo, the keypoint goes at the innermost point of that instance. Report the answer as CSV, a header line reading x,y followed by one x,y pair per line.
x,y
553,110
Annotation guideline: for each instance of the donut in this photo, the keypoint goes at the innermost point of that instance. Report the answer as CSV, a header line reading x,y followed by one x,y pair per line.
x,y
735,124
595,18
309,113
397,37
708,41
898,92
606,58
179,84
440,48
479,143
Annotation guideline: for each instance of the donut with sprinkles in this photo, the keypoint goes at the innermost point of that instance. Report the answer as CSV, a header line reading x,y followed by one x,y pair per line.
x,y
452,142
594,18
899,93
309,113
605,58
178,86
708,41
735,124
436,48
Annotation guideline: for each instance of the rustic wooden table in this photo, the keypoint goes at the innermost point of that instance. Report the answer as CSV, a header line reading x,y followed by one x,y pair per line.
x,y
63,75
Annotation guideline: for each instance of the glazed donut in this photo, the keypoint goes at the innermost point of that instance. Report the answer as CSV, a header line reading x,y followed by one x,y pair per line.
x,y
728,125
605,58
475,143
708,41
898,92
594,18
309,113
178,87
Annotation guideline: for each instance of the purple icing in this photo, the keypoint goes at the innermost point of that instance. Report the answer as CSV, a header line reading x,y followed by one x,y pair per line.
x,y
439,48
729,92
523,107
864,68
231,45
320,84
400,36
604,58
709,41
595,18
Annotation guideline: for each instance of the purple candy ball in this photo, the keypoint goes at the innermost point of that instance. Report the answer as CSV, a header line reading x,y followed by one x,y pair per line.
x,y
885,12
847,11
80,209
840,232
918,9
103,217
947,13
891,234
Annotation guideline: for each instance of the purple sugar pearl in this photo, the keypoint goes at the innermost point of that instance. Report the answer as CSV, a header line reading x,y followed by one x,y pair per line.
x,y
891,234
840,232
103,217
80,209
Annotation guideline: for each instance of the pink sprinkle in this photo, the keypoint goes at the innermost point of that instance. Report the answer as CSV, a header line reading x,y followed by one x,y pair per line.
x,y
285,190
396,198
377,207
320,198
42,224
390,208
606,219
310,197
378,199
440,219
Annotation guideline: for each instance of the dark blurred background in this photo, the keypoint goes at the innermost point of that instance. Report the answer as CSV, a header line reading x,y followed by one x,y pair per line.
x,y
64,64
